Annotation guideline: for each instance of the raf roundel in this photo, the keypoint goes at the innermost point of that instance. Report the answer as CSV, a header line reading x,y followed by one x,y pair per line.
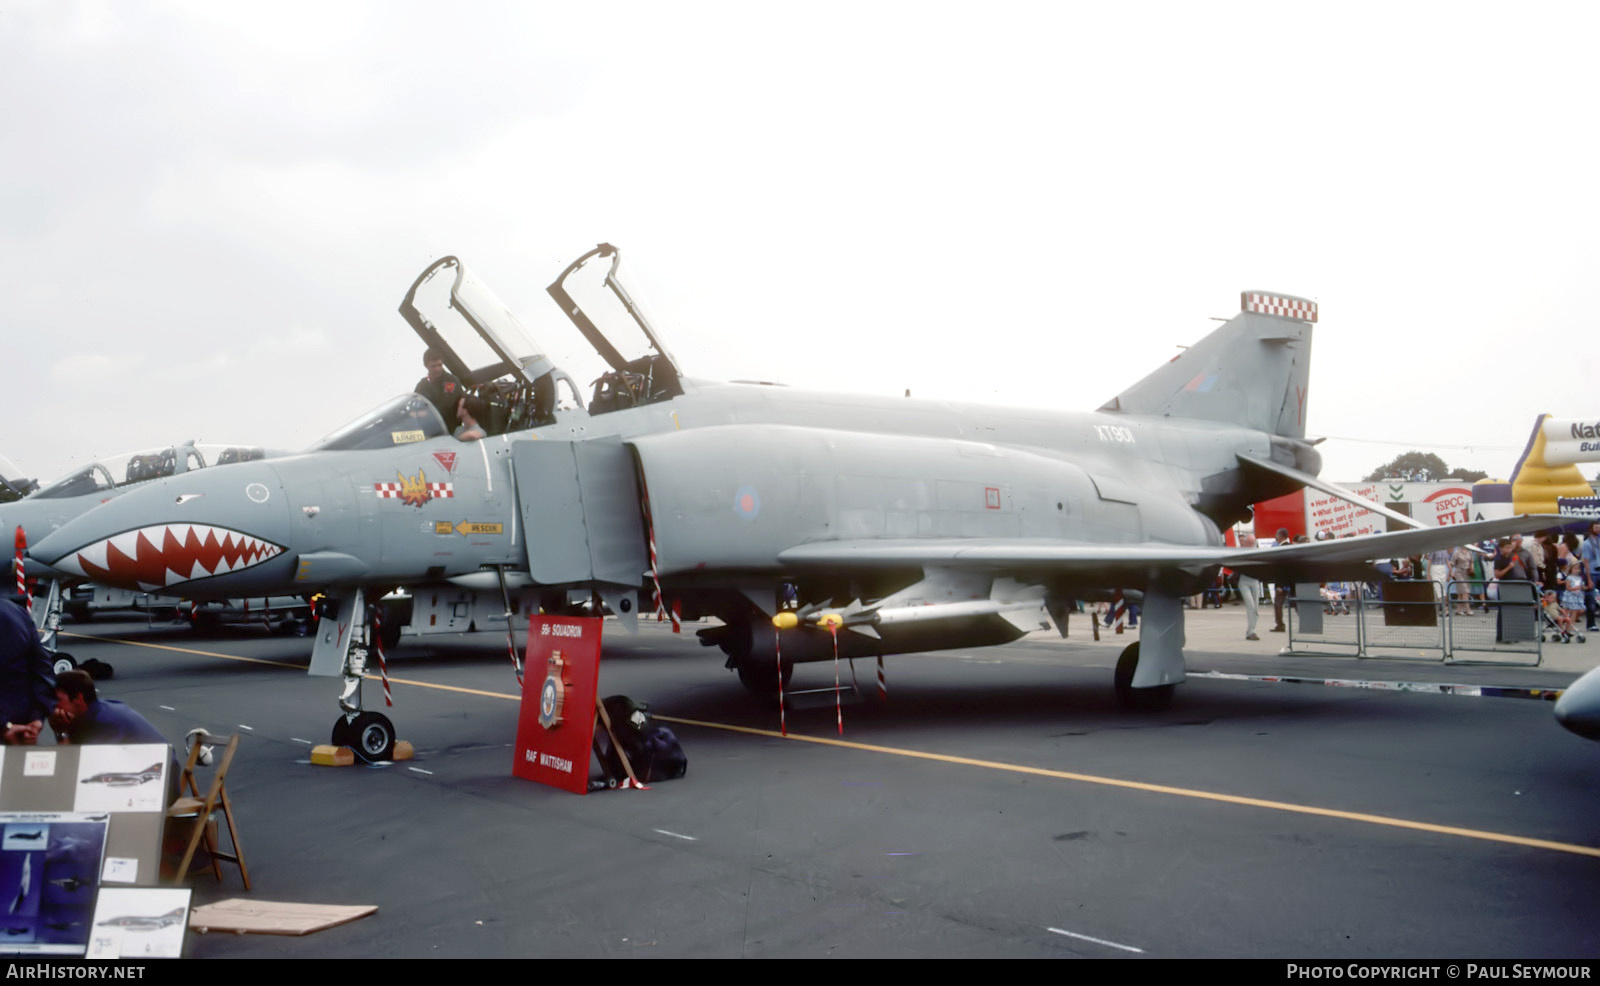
x,y
747,502
257,492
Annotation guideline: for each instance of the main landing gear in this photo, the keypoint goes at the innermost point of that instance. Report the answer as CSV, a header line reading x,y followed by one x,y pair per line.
x,y
1140,699
1149,671
751,648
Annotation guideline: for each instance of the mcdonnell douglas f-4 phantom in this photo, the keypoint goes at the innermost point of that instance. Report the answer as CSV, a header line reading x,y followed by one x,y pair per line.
x,y
145,922
125,778
900,525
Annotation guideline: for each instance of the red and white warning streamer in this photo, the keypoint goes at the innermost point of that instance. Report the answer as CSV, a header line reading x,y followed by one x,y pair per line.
x,y
377,646
22,582
655,577
777,650
838,702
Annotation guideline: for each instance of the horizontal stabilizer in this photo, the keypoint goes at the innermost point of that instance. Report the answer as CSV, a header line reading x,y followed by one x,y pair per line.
x,y
1307,479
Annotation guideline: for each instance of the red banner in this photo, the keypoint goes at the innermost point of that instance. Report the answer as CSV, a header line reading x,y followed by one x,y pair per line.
x,y
562,675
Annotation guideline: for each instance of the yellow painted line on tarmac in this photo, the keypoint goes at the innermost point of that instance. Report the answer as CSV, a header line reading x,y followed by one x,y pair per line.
x,y
1182,792
183,650
1064,775
285,664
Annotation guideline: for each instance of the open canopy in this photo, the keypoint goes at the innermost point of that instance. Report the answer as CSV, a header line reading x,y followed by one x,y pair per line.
x,y
13,484
481,340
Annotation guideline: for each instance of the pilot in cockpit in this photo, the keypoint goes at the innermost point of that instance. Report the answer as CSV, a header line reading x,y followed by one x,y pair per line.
x,y
471,410
440,387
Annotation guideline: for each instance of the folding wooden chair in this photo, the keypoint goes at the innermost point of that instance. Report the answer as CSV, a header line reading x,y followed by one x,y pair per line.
x,y
190,804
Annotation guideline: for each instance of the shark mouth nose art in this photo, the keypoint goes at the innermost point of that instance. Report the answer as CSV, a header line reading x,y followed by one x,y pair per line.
x,y
167,554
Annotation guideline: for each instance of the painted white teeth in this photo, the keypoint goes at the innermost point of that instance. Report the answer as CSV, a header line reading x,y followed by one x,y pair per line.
x,y
234,551
127,542
94,554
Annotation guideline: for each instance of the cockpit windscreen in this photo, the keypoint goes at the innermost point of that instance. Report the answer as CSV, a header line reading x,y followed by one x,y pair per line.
x,y
398,421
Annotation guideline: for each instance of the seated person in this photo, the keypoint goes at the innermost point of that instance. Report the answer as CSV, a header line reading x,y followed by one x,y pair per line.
x,y
471,410
1559,620
440,387
81,716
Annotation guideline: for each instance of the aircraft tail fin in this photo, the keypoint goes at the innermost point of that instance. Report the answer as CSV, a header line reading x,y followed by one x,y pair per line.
x,y
1252,370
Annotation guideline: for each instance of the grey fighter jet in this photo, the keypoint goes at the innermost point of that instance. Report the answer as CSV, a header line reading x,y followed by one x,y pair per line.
x,y
126,778
43,509
1578,708
145,922
47,508
892,525
13,484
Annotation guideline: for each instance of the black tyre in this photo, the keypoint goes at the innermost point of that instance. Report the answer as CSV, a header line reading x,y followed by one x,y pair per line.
x,y
62,662
370,736
1140,699
760,677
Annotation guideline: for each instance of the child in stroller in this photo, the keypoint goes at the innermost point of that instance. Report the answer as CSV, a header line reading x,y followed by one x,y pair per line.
x,y
1558,622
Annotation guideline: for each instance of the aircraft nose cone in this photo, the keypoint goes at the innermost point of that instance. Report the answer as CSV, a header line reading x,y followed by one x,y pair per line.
x,y
36,518
1578,708
219,524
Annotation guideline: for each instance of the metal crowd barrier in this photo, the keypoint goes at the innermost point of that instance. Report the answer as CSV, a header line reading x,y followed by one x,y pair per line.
x,y
1311,626
1409,619
1406,617
1507,628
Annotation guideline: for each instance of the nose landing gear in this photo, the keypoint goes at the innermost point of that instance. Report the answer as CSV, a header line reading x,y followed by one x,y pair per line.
x,y
344,635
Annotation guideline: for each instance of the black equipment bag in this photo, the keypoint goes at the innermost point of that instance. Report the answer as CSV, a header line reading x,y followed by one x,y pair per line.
x,y
652,748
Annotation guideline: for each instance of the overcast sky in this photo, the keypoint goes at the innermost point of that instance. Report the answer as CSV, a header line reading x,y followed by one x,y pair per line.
x,y
209,211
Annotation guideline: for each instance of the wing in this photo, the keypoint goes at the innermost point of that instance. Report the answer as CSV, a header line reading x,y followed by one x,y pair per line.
x,y
1111,564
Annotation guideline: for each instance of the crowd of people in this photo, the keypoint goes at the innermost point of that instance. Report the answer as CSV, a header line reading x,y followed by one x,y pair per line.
x,y
1563,566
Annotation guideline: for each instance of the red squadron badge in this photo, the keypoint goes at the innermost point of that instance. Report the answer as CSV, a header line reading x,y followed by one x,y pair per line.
x,y
553,694
413,491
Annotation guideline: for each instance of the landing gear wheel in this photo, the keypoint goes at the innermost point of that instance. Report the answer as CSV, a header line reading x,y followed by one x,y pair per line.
x,y
1139,699
292,627
371,736
62,662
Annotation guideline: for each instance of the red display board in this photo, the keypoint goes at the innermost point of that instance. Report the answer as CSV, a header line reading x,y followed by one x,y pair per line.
x,y
561,674
1287,511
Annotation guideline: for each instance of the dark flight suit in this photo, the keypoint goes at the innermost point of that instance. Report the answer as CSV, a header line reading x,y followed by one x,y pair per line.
x,y
27,688
444,395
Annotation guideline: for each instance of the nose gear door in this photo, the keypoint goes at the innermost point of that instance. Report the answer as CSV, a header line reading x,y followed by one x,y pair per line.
x,y
581,518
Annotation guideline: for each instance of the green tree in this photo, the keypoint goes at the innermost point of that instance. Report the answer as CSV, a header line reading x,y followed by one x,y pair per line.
x,y
1415,463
